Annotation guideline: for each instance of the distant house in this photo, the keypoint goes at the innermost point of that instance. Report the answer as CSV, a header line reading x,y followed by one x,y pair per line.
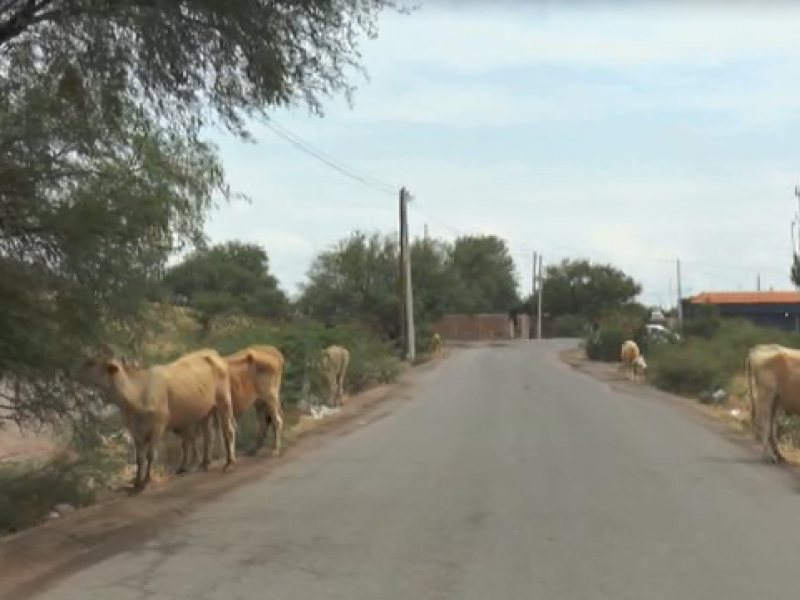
x,y
779,310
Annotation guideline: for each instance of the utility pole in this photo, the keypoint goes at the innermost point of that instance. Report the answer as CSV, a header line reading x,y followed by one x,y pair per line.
x,y
758,282
680,295
426,232
796,241
539,302
401,278
406,297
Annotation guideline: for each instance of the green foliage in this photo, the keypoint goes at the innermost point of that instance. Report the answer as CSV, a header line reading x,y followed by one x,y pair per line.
x,y
689,370
703,364
372,360
94,197
193,61
705,323
581,287
357,280
485,270
228,278
794,273
570,326
605,344
29,492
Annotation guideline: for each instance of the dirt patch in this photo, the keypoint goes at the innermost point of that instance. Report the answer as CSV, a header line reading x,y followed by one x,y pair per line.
x,y
37,558
731,419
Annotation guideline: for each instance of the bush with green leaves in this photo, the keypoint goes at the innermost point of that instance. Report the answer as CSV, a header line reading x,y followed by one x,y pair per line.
x,y
569,326
702,364
605,345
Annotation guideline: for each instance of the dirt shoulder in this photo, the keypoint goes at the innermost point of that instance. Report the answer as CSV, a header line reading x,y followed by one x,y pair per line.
x,y
730,419
34,559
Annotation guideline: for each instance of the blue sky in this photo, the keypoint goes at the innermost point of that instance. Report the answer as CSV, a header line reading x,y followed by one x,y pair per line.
x,y
635,137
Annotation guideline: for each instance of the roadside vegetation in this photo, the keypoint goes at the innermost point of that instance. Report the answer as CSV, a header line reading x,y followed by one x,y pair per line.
x,y
705,364
106,176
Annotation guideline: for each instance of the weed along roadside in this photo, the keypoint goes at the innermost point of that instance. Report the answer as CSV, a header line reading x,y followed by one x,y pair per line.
x,y
35,557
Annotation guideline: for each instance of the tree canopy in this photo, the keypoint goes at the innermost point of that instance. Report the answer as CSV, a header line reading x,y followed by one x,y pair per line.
x,y
104,171
194,60
358,280
582,287
228,278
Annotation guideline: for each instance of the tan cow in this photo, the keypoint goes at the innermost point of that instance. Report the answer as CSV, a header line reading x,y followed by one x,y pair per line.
x,y
435,345
632,361
335,360
774,372
752,361
256,373
175,396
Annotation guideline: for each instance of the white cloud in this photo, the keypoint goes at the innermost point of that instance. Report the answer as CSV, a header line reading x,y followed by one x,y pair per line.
x,y
484,41
537,129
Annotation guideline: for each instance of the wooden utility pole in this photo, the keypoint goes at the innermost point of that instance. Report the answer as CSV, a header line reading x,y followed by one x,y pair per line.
x,y
680,294
540,289
401,278
406,294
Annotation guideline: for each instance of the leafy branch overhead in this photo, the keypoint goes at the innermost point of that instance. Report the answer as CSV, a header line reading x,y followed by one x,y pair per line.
x,y
104,170
195,59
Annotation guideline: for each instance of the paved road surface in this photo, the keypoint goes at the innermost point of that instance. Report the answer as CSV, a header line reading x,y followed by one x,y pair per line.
x,y
511,476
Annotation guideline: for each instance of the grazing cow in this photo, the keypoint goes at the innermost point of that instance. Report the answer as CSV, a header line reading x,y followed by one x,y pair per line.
x,y
753,359
436,345
774,372
334,362
632,360
173,396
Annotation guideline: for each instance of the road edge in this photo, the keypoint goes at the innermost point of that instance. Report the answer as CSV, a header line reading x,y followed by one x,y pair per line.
x,y
688,406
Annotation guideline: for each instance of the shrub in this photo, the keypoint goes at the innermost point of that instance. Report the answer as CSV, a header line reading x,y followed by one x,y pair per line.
x,y
705,324
690,369
569,326
702,364
605,345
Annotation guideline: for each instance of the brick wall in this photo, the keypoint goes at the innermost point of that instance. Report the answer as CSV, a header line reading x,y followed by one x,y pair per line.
x,y
473,327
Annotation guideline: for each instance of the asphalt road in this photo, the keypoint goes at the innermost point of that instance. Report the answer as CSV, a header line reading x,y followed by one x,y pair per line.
x,y
509,476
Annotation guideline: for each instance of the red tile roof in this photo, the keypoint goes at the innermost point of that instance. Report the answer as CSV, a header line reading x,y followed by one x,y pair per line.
x,y
780,297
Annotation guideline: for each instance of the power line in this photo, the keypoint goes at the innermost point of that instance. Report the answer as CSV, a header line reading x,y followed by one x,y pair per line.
x,y
332,162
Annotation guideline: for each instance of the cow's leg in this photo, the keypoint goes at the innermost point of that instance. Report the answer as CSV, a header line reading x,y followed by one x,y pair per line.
x,y
275,414
755,425
206,425
773,432
187,444
138,480
263,418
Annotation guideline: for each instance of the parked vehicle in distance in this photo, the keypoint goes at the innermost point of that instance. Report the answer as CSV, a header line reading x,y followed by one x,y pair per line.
x,y
658,334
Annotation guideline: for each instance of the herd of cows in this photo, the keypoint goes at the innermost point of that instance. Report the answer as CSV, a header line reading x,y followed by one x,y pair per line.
x,y
772,374
203,391
197,392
